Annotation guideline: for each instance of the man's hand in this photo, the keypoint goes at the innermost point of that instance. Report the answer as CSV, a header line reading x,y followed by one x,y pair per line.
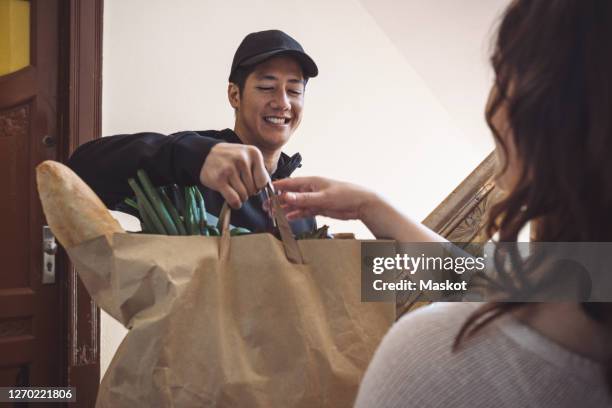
x,y
236,171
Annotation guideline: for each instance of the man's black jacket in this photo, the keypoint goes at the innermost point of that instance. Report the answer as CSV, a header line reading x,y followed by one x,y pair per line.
x,y
106,164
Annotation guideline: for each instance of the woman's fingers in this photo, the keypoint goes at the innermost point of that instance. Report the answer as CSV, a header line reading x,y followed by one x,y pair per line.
x,y
304,200
308,196
300,184
287,184
297,214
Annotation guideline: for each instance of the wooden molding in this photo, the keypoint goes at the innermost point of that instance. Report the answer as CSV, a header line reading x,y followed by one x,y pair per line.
x,y
82,91
462,216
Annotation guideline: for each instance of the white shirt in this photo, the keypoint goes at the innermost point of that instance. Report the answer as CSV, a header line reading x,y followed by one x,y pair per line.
x,y
506,364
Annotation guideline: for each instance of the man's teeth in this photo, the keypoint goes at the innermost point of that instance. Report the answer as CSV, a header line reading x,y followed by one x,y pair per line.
x,y
276,120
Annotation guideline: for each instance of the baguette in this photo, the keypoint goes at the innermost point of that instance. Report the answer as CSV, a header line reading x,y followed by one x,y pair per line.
x,y
74,212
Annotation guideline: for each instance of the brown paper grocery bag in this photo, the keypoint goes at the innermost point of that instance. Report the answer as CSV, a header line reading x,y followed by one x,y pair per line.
x,y
232,321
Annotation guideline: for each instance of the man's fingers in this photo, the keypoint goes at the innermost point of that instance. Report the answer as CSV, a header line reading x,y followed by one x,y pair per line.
x,y
244,168
237,185
258,168
249,183
260,176
231,196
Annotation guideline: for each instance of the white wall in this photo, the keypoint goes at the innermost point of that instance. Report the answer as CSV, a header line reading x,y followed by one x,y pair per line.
x,y
397,105
447,43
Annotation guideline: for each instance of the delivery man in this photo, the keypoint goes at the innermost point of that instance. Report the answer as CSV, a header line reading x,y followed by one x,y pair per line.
x,y
266,89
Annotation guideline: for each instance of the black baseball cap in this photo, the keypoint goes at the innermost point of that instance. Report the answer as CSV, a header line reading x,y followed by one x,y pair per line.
x,y
259,46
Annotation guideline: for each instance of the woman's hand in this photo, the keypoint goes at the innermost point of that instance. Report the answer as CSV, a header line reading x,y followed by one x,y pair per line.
x,y
309,196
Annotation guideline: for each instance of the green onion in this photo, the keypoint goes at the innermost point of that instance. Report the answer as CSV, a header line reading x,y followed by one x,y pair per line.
x,y
239,231
200,200
195,210
156,202
145,221
157,225
202,208
192,228
131,203
213,231
173,212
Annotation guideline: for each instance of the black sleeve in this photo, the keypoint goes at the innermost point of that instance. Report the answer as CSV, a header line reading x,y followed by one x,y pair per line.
x,y
106,164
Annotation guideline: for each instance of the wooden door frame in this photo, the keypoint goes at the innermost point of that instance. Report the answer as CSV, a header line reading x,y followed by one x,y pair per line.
x,y
80,109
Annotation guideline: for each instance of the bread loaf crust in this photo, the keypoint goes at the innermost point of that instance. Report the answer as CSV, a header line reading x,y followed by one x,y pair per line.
x,y
74,212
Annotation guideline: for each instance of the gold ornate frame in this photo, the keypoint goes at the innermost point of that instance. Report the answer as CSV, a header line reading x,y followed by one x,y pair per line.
x,y
462,216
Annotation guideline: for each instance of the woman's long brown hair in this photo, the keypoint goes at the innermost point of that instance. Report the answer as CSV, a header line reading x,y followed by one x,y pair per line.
x,y
553,77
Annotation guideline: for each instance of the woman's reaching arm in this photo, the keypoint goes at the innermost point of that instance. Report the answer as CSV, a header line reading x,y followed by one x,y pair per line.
x,y
310,196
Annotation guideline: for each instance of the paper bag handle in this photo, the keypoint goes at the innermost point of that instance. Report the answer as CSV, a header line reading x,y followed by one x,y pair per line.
x,y
292,249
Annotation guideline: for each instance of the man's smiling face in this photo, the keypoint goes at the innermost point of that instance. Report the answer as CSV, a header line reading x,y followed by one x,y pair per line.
x,y
270,107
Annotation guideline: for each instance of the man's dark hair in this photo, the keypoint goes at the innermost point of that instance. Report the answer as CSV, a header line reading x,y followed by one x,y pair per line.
x,y
241,74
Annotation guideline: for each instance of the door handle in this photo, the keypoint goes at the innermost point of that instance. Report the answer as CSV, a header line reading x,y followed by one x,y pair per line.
x,y
49,250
